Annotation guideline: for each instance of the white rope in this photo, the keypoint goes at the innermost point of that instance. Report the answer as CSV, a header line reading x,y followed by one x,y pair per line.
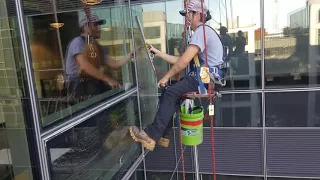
x,y
177,163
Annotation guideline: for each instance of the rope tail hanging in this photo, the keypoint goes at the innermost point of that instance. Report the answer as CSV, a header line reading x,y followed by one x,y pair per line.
x,y
209,91
185,34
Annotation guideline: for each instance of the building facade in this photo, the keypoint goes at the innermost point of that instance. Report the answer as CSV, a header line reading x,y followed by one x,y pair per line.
x,y
266,125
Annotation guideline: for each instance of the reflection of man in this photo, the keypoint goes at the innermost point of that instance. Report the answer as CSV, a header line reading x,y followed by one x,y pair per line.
x,y
240,43
226,40
84,58
170,99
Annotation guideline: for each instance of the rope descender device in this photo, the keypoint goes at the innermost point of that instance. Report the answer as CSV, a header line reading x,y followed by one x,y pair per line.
x,y
151,54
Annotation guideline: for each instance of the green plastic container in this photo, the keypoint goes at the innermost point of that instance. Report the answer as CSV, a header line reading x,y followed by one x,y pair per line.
x,y
192,126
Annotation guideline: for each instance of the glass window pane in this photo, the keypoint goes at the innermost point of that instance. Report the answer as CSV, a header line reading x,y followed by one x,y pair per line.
x,y
239,30
293,109
154,21
64,84
16,159
137,175
146,75
235,110
175,29
97,148
291,43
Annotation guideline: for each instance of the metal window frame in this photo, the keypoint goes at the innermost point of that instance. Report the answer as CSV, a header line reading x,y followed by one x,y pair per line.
x,y
72,122
263,95
138,92
133,167
43,137
32,93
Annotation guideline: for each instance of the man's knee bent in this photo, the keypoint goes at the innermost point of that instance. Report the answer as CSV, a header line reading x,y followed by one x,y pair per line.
x,y
172,95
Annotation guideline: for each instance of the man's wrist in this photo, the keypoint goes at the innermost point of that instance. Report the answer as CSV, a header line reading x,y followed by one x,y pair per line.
x,y
159,54
167,76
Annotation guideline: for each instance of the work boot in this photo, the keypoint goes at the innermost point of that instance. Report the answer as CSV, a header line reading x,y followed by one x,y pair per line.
x,y
164,141
142,137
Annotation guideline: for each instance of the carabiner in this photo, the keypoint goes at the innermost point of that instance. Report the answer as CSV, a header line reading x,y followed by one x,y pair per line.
x,y
93,54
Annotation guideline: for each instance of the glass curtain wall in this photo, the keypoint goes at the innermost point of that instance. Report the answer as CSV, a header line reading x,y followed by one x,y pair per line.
x,y
83,134
273,54
269,104
17,141
291,63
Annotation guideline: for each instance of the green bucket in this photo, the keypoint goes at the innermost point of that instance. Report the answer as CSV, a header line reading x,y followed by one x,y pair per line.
x,y
192,126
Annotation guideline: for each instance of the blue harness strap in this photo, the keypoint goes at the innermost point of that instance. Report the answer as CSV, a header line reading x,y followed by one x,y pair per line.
x,y
201,88
217,75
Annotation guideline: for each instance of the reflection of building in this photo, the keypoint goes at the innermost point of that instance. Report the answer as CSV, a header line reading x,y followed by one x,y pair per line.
x,y
298,18
244,66
314,38
154,26
276,16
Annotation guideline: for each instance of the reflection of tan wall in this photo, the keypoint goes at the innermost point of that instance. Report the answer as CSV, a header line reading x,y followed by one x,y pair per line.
x,y
155,19
313,53
149,19
162,39
116,42
314,27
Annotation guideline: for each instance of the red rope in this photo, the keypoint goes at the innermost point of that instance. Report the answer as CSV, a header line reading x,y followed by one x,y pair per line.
x,y
178,76
157,69
210,94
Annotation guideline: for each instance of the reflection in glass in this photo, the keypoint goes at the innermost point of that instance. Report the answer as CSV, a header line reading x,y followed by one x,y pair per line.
x,y
238,29
97,148
15,156
175,29
291,43
64,81
137,175
154,22
236,110
147,77
293,109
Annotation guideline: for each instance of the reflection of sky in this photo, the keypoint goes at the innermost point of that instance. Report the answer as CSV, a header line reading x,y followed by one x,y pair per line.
x,y
247,10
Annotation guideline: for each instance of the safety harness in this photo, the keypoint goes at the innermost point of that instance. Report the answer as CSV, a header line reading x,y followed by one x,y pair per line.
x,y
206,74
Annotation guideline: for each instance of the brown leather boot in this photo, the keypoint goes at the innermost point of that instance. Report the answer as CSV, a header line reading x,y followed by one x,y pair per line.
x,y
164,142
142,137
